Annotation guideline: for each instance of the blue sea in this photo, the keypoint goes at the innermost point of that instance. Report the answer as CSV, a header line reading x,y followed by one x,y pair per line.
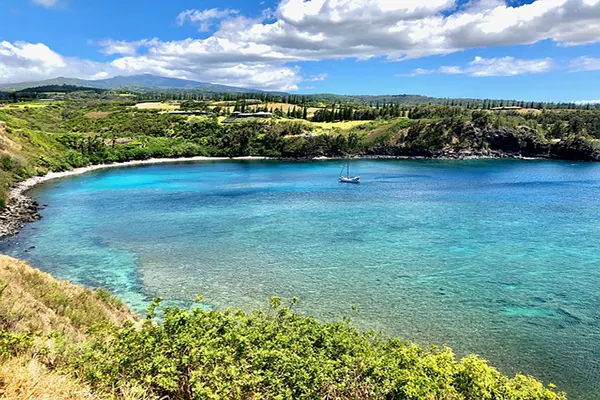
x,y
495,257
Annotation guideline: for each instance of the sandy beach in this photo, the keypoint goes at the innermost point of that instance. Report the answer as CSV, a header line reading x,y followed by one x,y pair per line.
x,y
21,208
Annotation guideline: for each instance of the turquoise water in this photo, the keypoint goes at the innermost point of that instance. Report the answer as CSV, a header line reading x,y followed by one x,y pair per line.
x,y
499,258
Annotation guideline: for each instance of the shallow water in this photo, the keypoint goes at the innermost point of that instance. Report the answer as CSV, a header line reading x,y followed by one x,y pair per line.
x,y
496,257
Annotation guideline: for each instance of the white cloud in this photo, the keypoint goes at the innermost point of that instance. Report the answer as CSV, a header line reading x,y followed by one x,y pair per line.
x,y
28,62
325,29
584,102
503,66
262,52
585,64
122,47
204,18
21,61
316,78
46,3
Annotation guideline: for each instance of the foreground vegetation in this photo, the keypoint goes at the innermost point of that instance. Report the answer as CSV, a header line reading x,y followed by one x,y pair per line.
x,y
62,341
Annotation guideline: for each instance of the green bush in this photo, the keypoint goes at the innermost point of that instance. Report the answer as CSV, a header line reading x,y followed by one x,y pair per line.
x,y
75,159
12,344
6,163
280,355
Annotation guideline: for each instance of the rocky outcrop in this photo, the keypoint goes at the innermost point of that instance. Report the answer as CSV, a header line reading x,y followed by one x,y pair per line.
x,y
574,149
19,211
525,142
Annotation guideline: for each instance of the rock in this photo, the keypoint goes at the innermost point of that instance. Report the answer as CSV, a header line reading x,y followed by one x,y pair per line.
x,y
20,210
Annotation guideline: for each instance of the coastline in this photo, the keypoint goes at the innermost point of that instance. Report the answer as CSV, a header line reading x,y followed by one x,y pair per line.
x,y
22,209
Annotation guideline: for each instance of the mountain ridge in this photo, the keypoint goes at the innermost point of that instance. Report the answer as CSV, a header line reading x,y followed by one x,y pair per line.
x,y
138,82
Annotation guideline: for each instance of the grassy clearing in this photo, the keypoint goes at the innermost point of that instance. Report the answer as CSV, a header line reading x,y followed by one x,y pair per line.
x,y
157,106
343,125
282,106
43,323
98,114
32,104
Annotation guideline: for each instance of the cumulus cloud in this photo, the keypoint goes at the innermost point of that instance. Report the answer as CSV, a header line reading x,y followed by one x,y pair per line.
x,y
325,29
502,66
122,47
585,64
204,18
45,3
316,78
263,52
21,61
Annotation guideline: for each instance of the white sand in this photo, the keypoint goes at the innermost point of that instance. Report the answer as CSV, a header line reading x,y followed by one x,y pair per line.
x,y
21,187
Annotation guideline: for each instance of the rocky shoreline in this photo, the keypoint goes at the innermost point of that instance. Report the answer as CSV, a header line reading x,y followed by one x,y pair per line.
x,y
20,210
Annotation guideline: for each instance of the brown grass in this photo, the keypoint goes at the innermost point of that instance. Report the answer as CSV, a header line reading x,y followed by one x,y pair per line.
x,y
157,106
59,314
26,378
283,106
98,114
34,301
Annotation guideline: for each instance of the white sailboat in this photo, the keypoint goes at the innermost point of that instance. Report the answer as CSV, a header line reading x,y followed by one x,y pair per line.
x,y
348,178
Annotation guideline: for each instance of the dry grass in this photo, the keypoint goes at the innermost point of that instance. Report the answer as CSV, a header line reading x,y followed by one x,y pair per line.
x,y
339,125
157,106
34,301
60,315
98,114
282,106
30,105
26,378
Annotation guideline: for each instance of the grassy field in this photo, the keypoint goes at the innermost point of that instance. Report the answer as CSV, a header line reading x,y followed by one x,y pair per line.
x,y
98,114
282,106
157,106
33,104
343,125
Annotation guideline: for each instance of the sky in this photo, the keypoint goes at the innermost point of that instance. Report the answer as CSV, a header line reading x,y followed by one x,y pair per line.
x,y
542,50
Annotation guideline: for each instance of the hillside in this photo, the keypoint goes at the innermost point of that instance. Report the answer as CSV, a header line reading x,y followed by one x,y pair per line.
x,y
133,82
42,322
58,340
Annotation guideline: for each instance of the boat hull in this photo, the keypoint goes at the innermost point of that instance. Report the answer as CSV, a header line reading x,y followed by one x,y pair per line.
x,y
344,179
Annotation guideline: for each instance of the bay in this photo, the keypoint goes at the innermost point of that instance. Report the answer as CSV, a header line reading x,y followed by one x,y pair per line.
x,y
495,257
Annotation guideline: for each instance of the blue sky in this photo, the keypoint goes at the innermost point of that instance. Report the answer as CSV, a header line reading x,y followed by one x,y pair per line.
x,y
545,50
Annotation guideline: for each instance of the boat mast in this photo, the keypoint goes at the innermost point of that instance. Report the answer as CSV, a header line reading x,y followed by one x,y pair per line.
x,y
348,167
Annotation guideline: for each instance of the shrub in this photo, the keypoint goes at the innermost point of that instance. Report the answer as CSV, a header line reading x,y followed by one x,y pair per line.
x,y
278,354
6,163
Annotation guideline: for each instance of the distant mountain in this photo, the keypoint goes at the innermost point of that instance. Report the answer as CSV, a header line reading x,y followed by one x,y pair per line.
x,y
144,82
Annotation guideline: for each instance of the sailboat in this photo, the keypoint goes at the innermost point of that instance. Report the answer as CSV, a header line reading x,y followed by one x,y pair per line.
x,y
348,178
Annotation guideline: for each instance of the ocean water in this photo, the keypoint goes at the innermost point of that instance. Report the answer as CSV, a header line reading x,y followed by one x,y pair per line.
x,y
498,257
